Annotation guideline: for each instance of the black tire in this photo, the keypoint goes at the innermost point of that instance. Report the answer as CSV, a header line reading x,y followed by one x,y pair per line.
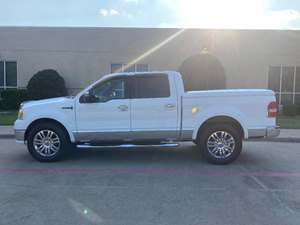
x,y
64,147
206,133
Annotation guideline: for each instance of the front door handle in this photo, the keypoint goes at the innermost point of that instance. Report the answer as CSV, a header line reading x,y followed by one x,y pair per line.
x,y
123,107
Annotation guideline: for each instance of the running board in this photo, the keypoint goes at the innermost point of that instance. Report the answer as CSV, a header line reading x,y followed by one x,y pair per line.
x,y
127,146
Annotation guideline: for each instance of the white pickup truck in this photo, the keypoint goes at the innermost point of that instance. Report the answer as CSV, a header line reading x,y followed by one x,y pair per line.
x,y
140,109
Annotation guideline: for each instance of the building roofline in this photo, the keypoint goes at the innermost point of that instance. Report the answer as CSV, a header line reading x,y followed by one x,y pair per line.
x,y
142,28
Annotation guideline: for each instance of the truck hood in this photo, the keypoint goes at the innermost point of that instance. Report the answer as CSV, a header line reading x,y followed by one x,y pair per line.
x,y
47,102
231,92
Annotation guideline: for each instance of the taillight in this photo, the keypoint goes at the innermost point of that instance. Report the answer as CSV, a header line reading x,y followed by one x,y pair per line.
x,y
272,109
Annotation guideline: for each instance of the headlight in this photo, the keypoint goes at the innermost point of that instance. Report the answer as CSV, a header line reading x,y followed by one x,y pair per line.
x,y
20,114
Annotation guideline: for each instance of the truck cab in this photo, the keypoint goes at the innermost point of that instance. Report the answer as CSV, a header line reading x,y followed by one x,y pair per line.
x,y
129,108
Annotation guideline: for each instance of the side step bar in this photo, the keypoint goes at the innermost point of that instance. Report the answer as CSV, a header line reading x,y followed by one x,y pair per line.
x,y
127,145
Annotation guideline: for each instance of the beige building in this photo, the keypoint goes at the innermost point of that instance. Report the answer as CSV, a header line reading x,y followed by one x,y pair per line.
x,y
250,58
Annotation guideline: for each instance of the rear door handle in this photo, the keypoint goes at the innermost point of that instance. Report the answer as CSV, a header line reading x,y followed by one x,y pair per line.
x,y
170,106
123,107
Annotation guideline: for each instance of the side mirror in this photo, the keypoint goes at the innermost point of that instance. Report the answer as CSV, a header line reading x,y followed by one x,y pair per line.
x,y
88,98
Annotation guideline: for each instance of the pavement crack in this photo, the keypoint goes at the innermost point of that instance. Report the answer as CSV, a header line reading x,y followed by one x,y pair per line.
x,y
283,204
259,183
274,194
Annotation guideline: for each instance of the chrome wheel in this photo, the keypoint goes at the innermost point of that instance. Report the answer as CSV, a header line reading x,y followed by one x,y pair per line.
x,y
46,143
220,144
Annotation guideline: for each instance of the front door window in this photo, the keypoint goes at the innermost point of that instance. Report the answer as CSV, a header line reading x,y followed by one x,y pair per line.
x,y
112,89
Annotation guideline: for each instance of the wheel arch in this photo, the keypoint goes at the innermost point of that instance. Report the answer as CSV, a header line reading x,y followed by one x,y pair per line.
x,y
221,119
43,120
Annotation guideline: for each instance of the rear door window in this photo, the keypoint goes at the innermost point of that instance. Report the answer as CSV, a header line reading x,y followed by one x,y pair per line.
x,y
151,86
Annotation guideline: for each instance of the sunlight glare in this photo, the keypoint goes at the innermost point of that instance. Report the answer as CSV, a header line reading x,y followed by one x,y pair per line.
x,y
222,14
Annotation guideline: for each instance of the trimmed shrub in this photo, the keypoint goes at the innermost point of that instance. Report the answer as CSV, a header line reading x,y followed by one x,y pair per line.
x,y
46,84
298,109
203,72
290,110
12,98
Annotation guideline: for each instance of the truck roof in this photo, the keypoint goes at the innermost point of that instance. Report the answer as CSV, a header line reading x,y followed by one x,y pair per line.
x,y
141,73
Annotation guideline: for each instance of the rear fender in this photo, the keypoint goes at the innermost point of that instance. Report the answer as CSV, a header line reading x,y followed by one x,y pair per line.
x,y
236,115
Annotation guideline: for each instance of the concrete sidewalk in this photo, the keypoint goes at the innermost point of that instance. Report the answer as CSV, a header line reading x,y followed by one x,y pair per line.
x,y
286,135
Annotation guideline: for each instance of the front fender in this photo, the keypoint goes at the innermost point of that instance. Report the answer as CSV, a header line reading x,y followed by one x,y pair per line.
x,y
60,118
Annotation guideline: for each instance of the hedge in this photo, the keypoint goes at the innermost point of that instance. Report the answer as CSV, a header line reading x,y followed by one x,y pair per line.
x,y
11,99
46,84
290,110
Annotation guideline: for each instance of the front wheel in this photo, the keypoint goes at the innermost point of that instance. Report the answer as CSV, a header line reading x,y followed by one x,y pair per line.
x,y
220,143
48,142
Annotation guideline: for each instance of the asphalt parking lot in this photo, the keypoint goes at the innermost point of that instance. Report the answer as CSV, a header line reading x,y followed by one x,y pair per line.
x,y
151,186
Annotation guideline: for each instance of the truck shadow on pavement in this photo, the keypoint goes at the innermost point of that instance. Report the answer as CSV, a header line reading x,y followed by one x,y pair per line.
x,y
182,155
255,160
186,155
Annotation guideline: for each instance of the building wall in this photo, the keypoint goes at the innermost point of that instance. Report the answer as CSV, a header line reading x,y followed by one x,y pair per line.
x,y
83,55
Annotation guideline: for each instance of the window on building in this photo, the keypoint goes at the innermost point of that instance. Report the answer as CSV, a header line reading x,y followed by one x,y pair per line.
x,y
1,74
285,81
116,67
297,86
129,68
121,67
141,67
274,78
8,74
152,86
11,74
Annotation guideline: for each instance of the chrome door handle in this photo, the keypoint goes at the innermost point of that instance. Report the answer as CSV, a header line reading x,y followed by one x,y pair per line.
x,y
170,106
123,107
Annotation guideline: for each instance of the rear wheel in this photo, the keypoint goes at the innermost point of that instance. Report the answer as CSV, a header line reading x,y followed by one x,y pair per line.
x,y
220,143
48,142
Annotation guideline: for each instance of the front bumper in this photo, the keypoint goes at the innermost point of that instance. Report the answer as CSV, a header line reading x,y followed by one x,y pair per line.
x,y
20,135
265,132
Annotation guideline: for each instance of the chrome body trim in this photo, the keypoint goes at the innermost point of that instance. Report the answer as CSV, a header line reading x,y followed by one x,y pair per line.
x,y
90,136
256,132
155,135
19,136
127,146
273,131
87,136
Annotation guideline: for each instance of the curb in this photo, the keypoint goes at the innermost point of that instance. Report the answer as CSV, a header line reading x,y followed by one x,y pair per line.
x,y
7,136
285,140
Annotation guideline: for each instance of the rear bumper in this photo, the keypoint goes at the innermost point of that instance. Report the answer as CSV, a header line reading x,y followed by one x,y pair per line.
x,y
20,135
273,131
265,132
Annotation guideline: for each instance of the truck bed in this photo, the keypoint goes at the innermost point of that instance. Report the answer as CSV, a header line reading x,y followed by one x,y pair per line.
x,y
247,106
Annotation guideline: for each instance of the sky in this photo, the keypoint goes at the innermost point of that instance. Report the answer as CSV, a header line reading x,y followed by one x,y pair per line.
x,y
232,14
